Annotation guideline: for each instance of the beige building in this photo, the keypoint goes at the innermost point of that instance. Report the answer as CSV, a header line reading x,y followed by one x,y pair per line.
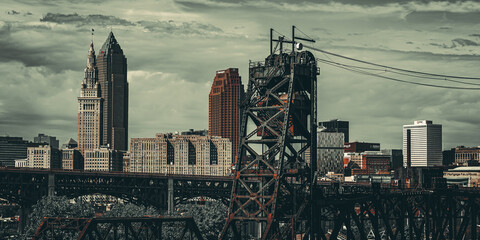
x,y
21,162
103,159
181,154
126,161
463,176
464,154
90,107
43,157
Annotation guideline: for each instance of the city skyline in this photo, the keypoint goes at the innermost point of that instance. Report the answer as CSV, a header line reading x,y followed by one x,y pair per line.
x,y
173,52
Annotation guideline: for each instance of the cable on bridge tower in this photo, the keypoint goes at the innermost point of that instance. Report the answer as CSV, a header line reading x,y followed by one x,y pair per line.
x,y
356,69
393,68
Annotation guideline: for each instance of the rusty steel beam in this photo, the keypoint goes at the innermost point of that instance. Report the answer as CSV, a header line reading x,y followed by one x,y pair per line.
x,y
277,129
119,228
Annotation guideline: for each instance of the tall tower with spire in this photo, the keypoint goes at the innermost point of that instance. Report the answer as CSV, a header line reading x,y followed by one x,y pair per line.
x,y
90,107
112,77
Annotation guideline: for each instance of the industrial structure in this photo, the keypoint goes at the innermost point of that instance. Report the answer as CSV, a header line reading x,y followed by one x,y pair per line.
x,y
353,210
162,227
278,125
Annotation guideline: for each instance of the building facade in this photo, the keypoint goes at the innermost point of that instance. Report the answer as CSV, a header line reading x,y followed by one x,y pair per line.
x,y
112,77
360,147
329,152
50,140
12,148
463,176
90,109
21,163
72,159
377,162
356,159
103,159
448,157
224,113
337,126
396,157
422,144
181,154
465,154
43,157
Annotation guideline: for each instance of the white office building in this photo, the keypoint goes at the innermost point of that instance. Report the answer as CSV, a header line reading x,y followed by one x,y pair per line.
x,y
422,144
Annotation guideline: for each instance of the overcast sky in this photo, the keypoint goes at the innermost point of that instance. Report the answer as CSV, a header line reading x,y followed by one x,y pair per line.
x,y
174,48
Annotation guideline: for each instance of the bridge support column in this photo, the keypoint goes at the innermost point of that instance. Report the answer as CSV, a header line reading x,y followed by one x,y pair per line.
x,y
170,200
51,184
23,213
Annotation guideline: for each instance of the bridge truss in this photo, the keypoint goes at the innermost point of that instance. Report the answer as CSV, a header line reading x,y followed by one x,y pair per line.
x,y
379,213
118,228
278,130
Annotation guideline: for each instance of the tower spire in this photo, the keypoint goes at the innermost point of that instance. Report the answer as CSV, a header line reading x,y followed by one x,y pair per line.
x,y
91,57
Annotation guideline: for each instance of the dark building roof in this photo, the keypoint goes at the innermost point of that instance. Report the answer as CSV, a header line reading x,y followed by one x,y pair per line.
x,y
72,142
111,44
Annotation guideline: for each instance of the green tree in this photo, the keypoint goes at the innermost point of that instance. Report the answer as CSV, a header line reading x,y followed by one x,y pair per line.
x,y
131,210
53,206
209,218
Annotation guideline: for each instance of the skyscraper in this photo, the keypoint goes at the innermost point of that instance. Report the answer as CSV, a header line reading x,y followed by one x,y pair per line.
x,y
50,140
224,107
112,77
337,126
90,109
422,144
329,151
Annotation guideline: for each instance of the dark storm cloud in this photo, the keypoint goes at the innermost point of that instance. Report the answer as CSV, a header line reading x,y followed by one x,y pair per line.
x,y
425,17
79,20
183,28
463,42
32,55
13,51
13,12
458,42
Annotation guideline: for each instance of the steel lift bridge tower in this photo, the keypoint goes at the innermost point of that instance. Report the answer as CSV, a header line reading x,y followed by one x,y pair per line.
x,y
273,181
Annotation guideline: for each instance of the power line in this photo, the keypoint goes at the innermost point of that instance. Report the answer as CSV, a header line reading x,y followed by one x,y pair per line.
x,y
394,68
396,72
396,79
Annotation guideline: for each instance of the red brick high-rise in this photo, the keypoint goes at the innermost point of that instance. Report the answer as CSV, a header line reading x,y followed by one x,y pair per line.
x,y
224,107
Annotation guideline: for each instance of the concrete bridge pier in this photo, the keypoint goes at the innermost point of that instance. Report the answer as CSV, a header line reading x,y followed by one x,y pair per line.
x,y
51,184
23,213
170,199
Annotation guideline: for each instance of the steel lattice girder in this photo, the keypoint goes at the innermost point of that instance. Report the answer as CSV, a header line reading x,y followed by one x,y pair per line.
x,y
400,214
117,228
26,186
281,94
